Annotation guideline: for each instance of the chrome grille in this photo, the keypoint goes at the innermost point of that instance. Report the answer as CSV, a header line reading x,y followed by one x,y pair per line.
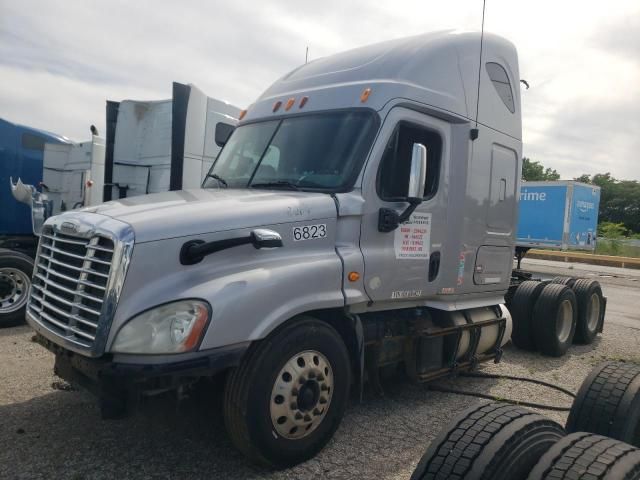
x,y
70,283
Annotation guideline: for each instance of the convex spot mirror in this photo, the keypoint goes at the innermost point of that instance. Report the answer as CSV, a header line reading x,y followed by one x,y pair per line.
x,y
263,238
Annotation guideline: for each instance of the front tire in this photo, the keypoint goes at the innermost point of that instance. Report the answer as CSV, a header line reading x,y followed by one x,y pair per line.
x,y
287,398
15,279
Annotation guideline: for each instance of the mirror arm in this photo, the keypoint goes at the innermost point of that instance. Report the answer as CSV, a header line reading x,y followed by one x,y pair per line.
x,y
389,219
413,204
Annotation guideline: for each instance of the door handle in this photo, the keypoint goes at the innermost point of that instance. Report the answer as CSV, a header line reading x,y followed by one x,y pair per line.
x,y
434,265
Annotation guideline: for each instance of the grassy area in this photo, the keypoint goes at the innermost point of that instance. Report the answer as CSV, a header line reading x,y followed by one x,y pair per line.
x,y
616,247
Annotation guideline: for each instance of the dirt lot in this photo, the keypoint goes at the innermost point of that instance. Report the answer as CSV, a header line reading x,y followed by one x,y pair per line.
x,y
49,432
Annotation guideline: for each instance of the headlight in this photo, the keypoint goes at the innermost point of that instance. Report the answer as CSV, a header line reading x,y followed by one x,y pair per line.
x,y
172,328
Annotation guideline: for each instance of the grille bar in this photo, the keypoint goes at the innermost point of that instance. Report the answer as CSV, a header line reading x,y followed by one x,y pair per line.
x,y
50,306
86,270
78,257
66,302
78,292
70,282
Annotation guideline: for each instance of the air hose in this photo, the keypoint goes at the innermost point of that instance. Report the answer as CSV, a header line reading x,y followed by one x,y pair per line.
x,y
437,388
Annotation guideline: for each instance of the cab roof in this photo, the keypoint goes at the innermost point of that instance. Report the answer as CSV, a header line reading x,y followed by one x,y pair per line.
x,y
437,69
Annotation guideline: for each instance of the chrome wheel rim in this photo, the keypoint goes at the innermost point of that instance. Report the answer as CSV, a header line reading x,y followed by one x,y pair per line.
x,y
301,395
593,312
564,321
14,289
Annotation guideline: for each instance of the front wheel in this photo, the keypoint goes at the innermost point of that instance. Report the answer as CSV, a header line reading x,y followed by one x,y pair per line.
x,y
287,398
15,280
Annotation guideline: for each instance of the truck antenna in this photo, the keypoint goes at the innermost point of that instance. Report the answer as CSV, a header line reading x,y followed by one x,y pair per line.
x,y
484,2
306,55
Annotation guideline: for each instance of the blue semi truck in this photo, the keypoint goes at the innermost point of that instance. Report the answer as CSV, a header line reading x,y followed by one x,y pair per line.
x,y
21,156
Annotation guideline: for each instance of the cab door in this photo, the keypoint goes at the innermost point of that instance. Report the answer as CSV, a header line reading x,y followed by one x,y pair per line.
x,y
403,264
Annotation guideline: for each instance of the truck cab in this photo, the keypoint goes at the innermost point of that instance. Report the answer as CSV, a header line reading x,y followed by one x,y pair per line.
x,y
360,219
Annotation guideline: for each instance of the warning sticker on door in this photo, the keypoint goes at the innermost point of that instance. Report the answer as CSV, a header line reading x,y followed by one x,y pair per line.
x,y
413,238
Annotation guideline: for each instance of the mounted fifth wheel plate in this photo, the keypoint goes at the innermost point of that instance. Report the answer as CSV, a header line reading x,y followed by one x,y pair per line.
x,y
608,403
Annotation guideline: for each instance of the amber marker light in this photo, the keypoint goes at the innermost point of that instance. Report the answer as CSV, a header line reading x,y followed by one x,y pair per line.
x,y
290,103
194,336
276,106
353,276
364,96
89,183
303,101
242,114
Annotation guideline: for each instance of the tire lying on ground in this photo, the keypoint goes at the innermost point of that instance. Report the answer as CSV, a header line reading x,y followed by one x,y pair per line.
x,y
521,308
554,319
286,399
568,281
608,403
15,279
589,456
590,309
489,441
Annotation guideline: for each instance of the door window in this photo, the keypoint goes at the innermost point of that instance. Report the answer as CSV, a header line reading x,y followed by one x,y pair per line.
x,y
393,175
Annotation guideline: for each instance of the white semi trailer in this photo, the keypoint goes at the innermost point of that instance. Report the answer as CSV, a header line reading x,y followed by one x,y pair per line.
x,y
156,146
361,216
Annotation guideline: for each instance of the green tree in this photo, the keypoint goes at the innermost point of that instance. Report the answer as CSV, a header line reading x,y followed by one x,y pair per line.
x,y
534,171
619,200
584,178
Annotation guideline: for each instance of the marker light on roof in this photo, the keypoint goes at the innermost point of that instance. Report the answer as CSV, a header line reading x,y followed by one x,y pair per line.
x,y
290,103
364,96
242,114
276,106
303,101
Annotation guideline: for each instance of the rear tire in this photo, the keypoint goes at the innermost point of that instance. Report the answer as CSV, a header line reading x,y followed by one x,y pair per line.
x,y
554,317
521,308
287,398
608,403
493,441
568,281
585,455
590,310
15,280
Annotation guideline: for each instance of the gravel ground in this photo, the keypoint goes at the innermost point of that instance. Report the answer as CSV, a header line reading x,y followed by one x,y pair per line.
x,y
47,431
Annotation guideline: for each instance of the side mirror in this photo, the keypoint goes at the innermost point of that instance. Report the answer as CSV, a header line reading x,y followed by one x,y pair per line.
x,y
388,218
223,132
418,171
263,238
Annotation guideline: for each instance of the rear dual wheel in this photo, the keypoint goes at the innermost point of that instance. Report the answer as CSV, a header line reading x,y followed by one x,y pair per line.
x,y
287,398
554,316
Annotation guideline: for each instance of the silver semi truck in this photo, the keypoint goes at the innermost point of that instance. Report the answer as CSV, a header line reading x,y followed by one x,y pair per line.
x,y
359,219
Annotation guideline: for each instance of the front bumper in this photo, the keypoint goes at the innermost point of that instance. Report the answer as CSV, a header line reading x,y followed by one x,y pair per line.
x,y
104,377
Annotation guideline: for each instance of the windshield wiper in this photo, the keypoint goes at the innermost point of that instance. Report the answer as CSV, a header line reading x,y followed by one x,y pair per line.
x,y
277,184
218,178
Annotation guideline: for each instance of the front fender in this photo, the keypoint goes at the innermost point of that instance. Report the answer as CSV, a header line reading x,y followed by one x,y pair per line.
x,y
250,291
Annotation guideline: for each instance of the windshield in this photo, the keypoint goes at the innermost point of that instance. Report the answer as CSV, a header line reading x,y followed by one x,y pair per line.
x,y
309,152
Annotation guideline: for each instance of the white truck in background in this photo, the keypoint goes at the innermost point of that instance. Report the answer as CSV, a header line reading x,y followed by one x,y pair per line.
x,y
150,147
156,146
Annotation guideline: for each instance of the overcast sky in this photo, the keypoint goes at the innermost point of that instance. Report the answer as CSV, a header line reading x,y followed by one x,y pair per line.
x,y
60,61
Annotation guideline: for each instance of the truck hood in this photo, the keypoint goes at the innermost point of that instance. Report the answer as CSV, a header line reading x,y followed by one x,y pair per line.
x,y
186,213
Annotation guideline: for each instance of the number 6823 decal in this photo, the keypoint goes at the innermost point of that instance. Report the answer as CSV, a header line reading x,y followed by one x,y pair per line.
x,y
309,232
